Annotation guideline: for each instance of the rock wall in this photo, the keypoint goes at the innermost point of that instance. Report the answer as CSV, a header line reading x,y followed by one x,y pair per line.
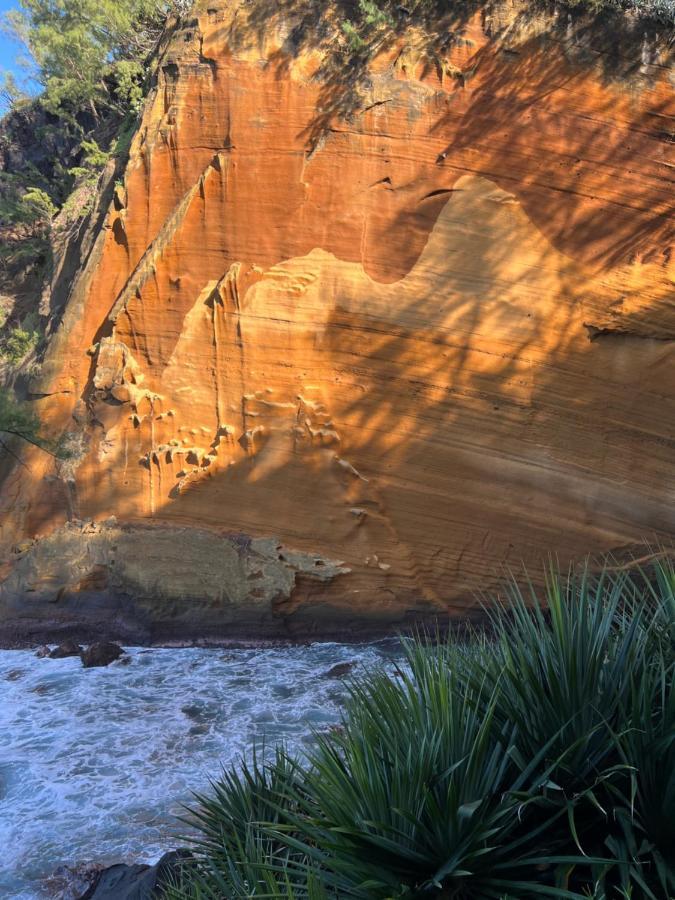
x,y
410,319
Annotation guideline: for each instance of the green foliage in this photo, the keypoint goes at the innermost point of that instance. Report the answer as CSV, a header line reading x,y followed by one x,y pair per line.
x,y
373,14
90,51
10,92
661,583
129,80
239,856
373,21
86,176
124,138
91,58
354,40
371,18
93,156
29,253
20,340
536,762
584,667
38,205
23,199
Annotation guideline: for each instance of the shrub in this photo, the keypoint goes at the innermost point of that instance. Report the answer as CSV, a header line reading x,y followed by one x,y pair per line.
x,y
240,856
38,205
20,341
536,761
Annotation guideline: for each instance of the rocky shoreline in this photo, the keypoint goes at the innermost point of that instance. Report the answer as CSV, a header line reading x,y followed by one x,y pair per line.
x,y
25,642
121,881
90,581
360,634
129,742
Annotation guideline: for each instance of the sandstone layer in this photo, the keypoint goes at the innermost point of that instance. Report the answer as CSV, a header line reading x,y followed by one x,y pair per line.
x,y
357,335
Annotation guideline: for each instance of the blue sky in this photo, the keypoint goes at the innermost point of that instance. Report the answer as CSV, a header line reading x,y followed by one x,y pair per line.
x,y
9,49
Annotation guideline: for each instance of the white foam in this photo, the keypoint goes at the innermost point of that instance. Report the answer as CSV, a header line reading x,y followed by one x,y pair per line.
x,y
95,764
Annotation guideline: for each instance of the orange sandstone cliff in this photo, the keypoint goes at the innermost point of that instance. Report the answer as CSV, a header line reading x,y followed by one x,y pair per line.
x,y
357,333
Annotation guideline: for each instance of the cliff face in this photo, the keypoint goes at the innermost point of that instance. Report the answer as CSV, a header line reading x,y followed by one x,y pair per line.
x,y
355,336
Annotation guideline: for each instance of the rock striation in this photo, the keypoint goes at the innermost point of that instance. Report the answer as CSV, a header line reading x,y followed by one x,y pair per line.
x,y
357,334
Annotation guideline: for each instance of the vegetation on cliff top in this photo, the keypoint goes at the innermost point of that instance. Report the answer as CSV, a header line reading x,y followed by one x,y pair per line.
x,y
538,761
367,15
90,52
91,61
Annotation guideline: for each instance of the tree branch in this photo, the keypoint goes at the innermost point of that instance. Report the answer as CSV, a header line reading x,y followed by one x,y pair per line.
x,y
12,453
30,440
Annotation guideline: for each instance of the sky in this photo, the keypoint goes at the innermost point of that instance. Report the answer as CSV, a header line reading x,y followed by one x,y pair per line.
x,y
9,49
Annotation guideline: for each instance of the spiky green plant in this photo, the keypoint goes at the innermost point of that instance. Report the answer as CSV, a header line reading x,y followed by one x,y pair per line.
x,y
420,793
240,856
659,579
644,804
578,663
535,760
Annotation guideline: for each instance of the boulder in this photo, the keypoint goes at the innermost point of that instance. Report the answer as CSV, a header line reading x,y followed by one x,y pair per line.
x,y
135,882
67,648
101,653
340,670
69,882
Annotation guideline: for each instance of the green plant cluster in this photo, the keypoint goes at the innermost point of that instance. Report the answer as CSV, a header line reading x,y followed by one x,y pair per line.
x,y
23,199
91,60
90,52
20,340
535,760
30,199
86,175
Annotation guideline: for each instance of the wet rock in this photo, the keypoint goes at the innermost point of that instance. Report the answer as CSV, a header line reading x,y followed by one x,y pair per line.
x,y
200,712
340,670
69,882
137,882
101,653
67,648
42,652
14,674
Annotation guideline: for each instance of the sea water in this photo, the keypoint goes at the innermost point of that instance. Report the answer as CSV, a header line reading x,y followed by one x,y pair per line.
x,y
96,765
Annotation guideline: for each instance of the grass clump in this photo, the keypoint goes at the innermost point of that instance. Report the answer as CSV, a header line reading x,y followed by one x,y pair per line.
x,y
536,760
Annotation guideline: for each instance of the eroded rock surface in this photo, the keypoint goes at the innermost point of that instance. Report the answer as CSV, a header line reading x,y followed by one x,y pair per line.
x,y
159,582
351,347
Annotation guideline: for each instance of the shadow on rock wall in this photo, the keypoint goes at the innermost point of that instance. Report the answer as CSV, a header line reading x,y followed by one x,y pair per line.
x,y
446,347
